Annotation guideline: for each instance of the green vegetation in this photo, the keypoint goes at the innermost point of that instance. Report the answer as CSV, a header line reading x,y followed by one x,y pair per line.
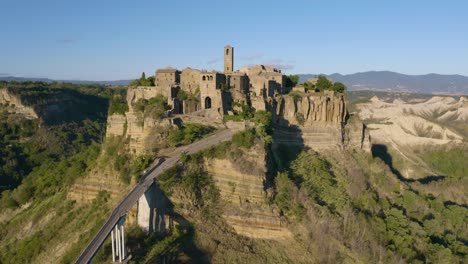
x,y
183,96
152,248
324,84
420,228
67,218
40,159
118,103
353,203
244,139
54,150
285,198
129,167
190,178
241,112
260,133
154,107
292,80
143,81
452,162
188,133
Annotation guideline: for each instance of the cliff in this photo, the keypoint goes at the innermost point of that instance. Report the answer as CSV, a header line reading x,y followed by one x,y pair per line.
x,y
14,104
241,182
316,120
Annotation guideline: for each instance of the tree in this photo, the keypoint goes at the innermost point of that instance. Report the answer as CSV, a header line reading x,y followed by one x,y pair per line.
x,y
339,87
323,83
292,80
143,81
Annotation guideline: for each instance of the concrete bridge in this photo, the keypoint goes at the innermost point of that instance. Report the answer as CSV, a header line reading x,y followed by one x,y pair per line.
x,y
114,225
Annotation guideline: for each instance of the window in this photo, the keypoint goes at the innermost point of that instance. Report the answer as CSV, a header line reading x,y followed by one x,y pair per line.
x,y
227,51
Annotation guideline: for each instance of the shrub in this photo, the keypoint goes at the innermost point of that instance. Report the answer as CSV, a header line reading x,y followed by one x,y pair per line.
x,y
188,133
244,139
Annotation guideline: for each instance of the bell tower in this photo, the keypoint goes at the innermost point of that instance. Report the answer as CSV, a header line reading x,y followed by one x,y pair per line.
x,y
228,59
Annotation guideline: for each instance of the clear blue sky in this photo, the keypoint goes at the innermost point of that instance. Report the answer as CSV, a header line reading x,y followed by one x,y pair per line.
x,y
110,40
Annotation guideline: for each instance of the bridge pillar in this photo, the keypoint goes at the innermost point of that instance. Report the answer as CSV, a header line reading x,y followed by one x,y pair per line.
x,y
118,244
152,208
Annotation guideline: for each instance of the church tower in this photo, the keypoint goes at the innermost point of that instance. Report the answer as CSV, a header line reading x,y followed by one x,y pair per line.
x,y
228,59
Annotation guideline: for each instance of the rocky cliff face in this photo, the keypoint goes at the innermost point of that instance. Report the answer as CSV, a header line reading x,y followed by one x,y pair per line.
x,y
14,105
317,121
308,109
141,135
242,191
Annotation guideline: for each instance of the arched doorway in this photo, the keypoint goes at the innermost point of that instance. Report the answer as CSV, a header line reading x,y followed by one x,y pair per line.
x,y
207,102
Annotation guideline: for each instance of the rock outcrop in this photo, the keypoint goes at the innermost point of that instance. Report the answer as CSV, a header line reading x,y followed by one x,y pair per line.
x,y
14,104
308,109
316,120
242,191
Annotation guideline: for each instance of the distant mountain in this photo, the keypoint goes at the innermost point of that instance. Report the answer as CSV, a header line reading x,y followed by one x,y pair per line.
x,y
372,80
22,79
396,82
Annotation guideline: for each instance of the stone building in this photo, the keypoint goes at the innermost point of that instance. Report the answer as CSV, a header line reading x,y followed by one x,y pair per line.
x,y
264,80
166,77
228,59
217,91
190,80
212,85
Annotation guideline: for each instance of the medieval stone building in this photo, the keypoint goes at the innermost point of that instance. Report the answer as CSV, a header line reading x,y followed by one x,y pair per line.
x,y
217,91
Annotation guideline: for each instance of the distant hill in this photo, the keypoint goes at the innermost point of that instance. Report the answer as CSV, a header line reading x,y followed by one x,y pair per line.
x,y
23,79
396,82
372,80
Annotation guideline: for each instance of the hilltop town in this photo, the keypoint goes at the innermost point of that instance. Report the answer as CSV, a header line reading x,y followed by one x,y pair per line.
x,y
192,90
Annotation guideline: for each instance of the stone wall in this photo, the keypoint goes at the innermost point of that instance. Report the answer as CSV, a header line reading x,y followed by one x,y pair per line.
x,y
258,103
145,92
190,80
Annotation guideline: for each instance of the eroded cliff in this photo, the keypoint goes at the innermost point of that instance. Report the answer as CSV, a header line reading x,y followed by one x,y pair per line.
x,y
14,104
242,185
316,120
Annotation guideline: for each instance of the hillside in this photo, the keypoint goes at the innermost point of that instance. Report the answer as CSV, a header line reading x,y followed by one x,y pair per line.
x,y
396,82
47,80
303,183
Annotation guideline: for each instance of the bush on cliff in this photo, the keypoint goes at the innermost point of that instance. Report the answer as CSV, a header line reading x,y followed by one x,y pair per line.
x,y
154,107
188,133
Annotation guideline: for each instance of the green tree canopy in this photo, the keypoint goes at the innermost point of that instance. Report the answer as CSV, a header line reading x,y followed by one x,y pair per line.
x,y
292,80
143,81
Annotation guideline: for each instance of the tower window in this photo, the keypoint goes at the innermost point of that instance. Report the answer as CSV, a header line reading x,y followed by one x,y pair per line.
x,y
227,51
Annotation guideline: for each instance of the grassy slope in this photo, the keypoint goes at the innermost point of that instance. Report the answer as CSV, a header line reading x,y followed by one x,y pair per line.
x,y
37,223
